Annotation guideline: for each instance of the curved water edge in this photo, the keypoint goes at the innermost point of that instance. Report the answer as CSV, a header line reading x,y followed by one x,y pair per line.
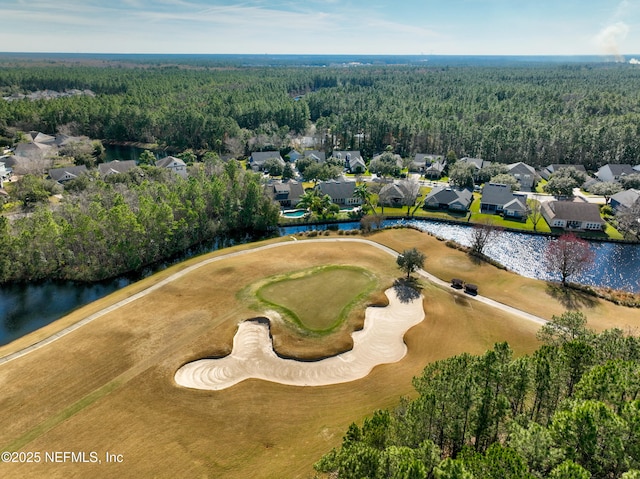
x,y
27,307
616,265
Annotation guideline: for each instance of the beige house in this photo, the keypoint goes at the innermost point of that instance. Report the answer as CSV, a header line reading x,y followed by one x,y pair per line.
x,y
573,215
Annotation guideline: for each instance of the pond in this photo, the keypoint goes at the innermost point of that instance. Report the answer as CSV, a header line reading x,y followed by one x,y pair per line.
x,y
616,265
126,152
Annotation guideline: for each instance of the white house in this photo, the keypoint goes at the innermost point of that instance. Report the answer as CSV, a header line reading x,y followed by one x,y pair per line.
x,y
173,164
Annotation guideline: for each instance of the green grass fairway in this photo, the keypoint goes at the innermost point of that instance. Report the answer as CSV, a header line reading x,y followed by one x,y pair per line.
x,y
318,300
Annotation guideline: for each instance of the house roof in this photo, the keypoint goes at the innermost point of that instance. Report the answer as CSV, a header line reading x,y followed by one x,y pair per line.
x,y
68,173
259,157
574,211
23,149
346,154
477,162
615,170
447,195
516,204
318,156
521,168
437,166
337,189
292,188
425,158
393,190
626,198
554,168
170,161
356,161
496,194
116,166
39,137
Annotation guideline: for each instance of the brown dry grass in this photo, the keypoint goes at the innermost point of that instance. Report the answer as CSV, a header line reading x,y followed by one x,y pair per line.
x,y
109,386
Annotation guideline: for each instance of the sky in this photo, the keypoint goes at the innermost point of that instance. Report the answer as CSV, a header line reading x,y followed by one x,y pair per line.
x,y
400,27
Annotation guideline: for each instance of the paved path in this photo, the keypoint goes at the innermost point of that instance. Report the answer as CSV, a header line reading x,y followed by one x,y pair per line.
x,y
179,274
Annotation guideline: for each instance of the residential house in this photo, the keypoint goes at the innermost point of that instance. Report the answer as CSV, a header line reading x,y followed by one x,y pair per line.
x,y
421,161
317,156
116,166
341,192
32,151
613,172
293,155
516,208
435,170
258,159
573,215
353,161
286,192
5,174
525,175
393,194
62,175
495,196
42,138
551,169
444,197
478,163
624,199
176,165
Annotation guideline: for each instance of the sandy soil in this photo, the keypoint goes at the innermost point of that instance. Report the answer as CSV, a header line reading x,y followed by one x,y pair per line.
x,y
379,342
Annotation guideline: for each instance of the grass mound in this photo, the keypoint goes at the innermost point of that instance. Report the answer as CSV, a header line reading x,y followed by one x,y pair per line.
x,y
317,300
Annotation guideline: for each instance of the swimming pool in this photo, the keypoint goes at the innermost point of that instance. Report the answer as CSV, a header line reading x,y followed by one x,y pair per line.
x,y
294,213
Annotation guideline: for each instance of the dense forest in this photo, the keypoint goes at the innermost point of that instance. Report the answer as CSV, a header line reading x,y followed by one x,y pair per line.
x,y
570,410
102,228
537,113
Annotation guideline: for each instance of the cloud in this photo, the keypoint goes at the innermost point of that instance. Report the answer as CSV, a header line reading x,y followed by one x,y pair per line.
x,y
608,39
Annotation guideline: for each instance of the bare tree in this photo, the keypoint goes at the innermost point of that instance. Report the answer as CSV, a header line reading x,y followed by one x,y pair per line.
x,y
481,235
629,220
567,256
534,212
411,188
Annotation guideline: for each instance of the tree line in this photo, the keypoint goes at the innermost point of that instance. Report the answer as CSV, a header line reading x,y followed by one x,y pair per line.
x,y
539,114
569,410
105,227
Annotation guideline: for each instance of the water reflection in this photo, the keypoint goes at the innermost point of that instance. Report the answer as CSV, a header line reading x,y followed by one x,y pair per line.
x,y
616,265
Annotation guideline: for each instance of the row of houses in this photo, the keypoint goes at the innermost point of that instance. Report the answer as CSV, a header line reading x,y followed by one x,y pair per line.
x,y
352,160
496,198
68,173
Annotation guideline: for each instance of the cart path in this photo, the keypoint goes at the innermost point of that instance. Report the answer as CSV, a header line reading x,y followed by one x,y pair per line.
x,y
179,274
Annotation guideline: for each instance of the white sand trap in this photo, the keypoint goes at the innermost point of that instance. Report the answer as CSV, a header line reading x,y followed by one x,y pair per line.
x,y
379,342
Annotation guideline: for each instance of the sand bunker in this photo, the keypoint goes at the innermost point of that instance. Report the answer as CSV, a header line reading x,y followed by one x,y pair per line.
x,y
379,342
